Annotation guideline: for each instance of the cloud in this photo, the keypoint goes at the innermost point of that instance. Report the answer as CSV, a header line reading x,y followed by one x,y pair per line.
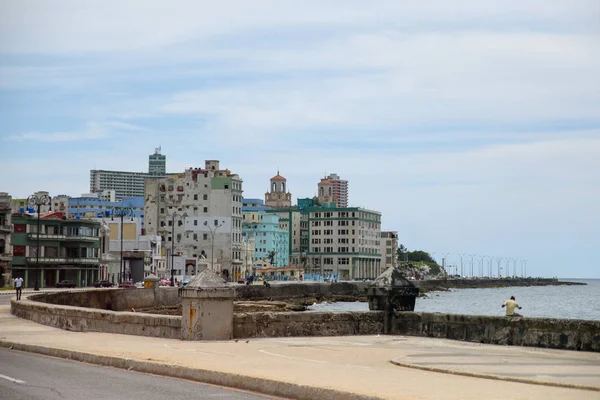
x,y
92,131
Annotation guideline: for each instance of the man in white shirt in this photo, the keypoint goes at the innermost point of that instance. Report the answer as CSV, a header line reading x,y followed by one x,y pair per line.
x,y
510,307
19,287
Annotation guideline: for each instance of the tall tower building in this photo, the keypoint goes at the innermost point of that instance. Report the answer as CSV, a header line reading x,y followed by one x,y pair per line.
x,y
125,183
332,189
278,197
157,163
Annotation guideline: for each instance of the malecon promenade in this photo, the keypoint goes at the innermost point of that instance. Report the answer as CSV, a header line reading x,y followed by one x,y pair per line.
x,y
343,367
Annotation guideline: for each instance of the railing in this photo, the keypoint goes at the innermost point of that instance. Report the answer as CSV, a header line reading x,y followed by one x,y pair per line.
x,y
49,260
5,256
6,228
45,236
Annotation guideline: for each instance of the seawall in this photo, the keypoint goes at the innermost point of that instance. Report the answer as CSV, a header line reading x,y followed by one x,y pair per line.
x,y
567,334
536,332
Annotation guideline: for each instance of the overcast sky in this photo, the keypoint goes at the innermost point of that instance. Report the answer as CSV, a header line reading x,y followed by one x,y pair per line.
x,y
473,126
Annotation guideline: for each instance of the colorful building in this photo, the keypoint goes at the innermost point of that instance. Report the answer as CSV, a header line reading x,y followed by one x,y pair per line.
x,y
69,249
268,236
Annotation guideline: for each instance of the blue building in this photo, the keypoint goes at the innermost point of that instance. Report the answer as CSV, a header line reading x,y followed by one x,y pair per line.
x,y
91,207
264,228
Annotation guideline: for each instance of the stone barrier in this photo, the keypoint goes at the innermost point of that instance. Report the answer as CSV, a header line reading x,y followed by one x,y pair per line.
x,y
285,324
81,319
285,291
567,334
112,299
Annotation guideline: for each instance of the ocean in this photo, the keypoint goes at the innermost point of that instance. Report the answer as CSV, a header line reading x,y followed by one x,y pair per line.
x,y
572,302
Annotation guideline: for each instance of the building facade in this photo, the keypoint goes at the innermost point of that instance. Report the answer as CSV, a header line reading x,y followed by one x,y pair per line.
x,y
344,242
269,238
278,196
6,229
332,189
157,164
69,248
128,184
198,214
389,247
92,206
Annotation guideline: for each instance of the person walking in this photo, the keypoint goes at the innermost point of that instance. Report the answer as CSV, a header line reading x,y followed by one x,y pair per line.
x,y
510,305
19,287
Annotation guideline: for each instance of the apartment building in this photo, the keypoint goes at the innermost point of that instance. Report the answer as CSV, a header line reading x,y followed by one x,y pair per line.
x,y
69,248
345,241
389,247
128,184
198,214
5,236
333,189
268,237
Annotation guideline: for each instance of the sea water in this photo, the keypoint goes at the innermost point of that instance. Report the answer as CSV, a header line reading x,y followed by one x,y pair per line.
x,y
572,302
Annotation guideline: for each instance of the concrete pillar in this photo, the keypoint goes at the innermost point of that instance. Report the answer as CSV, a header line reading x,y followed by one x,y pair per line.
x,y
57,276
207,308
78,283
25,278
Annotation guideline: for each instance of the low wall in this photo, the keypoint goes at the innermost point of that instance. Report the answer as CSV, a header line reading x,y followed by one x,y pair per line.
x,y
269,324
112,299
564,334
281,291
480,283
80,319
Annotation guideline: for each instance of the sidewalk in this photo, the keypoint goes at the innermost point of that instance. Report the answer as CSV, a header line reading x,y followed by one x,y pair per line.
x,y
329,367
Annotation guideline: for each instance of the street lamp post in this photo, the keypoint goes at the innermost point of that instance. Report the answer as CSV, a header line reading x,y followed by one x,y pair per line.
x,y
38,201
173,216
212,240
121,212
461,265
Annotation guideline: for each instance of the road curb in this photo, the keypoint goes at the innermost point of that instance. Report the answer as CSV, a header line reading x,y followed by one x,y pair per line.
x,y
495,377
226,379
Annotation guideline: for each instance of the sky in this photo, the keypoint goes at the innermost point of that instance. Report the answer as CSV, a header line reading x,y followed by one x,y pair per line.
x,y
473,126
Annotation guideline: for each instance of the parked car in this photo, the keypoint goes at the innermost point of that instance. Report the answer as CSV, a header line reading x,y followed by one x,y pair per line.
x,y
127,285
103,283
66,284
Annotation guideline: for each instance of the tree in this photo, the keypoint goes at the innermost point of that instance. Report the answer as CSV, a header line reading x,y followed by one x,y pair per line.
x,y
271,257
417,257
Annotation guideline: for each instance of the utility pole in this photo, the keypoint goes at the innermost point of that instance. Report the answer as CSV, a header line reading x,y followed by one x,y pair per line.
x,y
173,216
461,265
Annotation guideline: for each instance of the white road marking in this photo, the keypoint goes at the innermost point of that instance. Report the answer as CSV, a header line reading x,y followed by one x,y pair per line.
x,y
8,378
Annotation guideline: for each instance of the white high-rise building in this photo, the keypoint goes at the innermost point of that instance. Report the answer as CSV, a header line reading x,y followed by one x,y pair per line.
x,y
198,214
128,184
345,242
332,189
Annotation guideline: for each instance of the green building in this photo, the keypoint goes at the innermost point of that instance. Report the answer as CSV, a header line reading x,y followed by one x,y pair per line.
x,y
69,249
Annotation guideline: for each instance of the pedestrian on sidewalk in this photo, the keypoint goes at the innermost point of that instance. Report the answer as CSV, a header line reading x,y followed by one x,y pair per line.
x,y
19,287
510,307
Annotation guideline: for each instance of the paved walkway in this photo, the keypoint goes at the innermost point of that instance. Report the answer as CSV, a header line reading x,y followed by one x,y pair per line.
x,y
357,364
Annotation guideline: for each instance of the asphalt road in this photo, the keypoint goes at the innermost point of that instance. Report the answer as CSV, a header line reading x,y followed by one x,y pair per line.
x,y
25,376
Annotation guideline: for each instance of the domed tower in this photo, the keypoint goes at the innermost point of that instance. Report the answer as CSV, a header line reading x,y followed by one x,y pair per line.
x,y
278,197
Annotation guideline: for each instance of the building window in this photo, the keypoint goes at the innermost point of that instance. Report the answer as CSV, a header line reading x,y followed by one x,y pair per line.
x,y
205,236
195,197
19,251
205,197
195,222
205,209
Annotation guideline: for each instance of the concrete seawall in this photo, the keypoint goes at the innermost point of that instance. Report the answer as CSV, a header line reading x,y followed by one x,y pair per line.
x,y
564,334
536,332
112,299
269,324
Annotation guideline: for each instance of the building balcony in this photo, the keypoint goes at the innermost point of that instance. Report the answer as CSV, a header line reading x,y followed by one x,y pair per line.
x,y
5,256
60,260
44,236
6,228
